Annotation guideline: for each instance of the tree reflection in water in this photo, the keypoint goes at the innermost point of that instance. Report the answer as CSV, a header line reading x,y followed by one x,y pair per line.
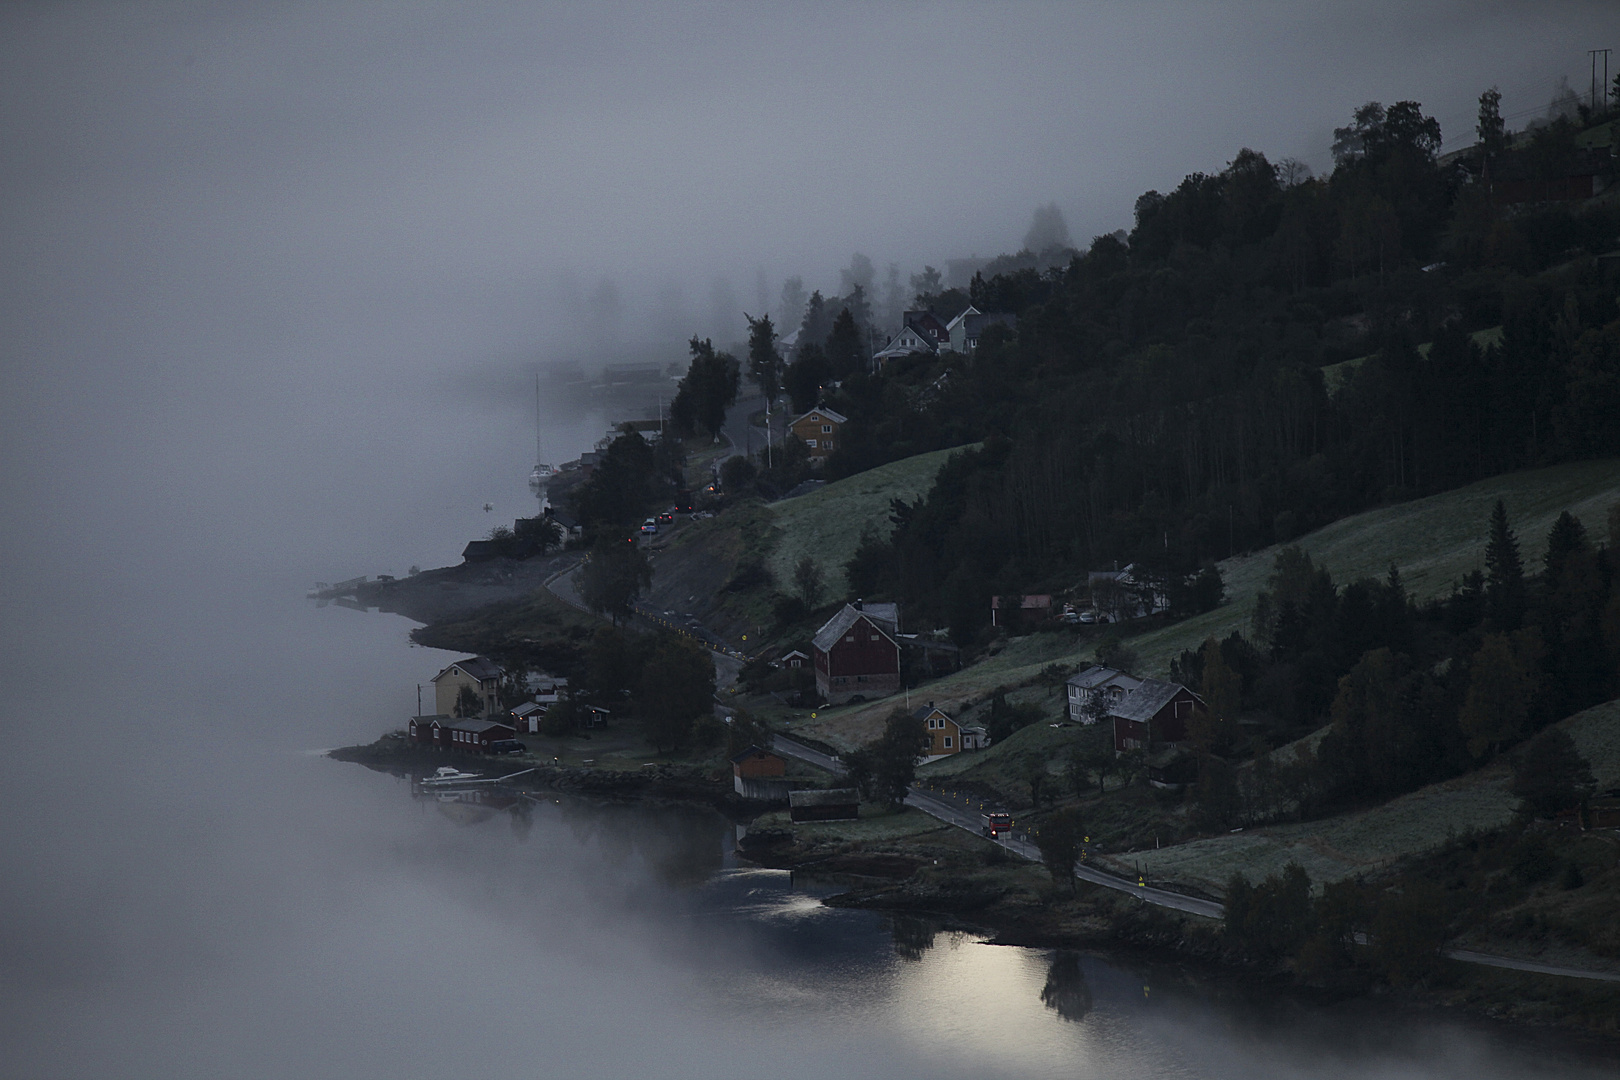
x,y
913,936
1066,992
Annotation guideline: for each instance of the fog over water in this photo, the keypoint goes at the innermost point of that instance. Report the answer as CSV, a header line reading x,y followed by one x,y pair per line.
x,y
276,281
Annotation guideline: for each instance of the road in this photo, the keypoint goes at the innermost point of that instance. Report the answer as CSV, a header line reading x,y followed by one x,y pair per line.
x,y
958,811
741,436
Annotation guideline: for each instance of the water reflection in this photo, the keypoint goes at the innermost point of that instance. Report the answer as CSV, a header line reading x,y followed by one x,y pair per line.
x,y
757,948
913,935
1066,992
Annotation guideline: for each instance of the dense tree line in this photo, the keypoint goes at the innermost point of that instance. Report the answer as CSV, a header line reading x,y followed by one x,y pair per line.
x,y
1265,353
1408,694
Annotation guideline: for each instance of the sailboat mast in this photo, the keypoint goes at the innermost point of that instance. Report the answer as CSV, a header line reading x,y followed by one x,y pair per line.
x,y
538,456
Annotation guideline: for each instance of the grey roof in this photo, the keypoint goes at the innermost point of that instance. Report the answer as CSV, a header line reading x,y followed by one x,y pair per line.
x,y
428,719
1146,700
922,713
826,797
526,708
751,751
974,325
479,667
1097,676
882,616
828,413
476,726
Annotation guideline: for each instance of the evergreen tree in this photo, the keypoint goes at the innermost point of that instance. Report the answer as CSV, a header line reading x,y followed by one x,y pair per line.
x,y
764,362
617,572
1551,775
817,322
1504,575
805,377
1058,839
1567,538
706,391
1490,129
846,352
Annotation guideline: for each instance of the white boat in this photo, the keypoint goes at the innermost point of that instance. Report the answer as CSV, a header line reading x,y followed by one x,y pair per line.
x,y
444,774
537,479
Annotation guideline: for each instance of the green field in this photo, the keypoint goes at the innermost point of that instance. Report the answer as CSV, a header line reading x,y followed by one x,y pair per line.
x,y
1434,541
1365,841
827,524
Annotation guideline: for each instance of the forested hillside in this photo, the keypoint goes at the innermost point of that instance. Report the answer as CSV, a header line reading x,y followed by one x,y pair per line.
x,y
1162,399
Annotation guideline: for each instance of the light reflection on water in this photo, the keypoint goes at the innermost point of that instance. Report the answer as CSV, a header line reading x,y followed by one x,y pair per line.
x,y
770,953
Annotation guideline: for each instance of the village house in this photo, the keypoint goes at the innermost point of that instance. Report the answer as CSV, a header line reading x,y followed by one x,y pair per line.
x,y
479,674
1095,689
474,736
760,774
795,659
527,717
946,736
920,332
856,653
1154,716
833,804
965,330
1016,611
820,430
424,730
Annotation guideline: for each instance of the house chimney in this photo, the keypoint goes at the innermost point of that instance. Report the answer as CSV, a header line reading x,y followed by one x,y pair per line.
x,y
858,603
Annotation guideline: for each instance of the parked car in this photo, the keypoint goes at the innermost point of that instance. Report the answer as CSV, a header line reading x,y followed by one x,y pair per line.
x,y
508,746
649,526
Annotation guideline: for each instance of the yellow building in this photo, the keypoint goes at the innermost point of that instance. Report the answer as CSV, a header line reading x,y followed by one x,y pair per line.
x,y
479,674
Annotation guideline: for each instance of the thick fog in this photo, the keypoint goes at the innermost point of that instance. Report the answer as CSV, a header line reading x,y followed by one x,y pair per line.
x,y
276,281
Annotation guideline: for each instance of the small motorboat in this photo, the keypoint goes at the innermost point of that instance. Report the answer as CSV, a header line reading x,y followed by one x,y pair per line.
x,y
538,478
444,774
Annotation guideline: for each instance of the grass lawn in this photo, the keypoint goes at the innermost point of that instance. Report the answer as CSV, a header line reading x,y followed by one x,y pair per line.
x,y
850,726
1434,541
827,524
876,825
1354,843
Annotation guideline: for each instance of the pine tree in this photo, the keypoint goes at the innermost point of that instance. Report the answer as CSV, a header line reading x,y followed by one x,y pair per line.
x,y
764,362
1567,538
1504,575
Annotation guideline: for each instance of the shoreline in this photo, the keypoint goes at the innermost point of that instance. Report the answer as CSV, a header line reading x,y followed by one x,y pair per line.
x,y
947,875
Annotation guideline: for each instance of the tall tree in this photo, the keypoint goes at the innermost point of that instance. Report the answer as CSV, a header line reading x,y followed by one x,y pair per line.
x,y
677,687
706,391
817,322
1504,575
614,577
846,351
1551,775
1058,839
764,362
805,377
1491,131
790,308
1502,685
1047,230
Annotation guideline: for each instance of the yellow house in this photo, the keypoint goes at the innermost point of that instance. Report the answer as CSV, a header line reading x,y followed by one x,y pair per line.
x,y
819,429
479,674
944,734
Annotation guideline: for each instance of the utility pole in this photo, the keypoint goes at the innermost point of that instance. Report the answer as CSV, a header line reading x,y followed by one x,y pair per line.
x,y
1593,53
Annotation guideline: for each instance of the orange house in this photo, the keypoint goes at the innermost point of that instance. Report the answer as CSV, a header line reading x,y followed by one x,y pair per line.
x,y
820,430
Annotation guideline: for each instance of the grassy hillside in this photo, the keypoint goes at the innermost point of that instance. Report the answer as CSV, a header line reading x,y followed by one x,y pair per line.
x,y
1434,541
827,524
1356,843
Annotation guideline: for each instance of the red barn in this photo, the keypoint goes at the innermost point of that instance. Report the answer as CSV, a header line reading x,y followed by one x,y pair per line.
x,y
1155,715
856,653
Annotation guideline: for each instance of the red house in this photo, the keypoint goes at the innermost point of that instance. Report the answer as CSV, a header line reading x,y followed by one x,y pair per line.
x,y
1154,716
856,653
